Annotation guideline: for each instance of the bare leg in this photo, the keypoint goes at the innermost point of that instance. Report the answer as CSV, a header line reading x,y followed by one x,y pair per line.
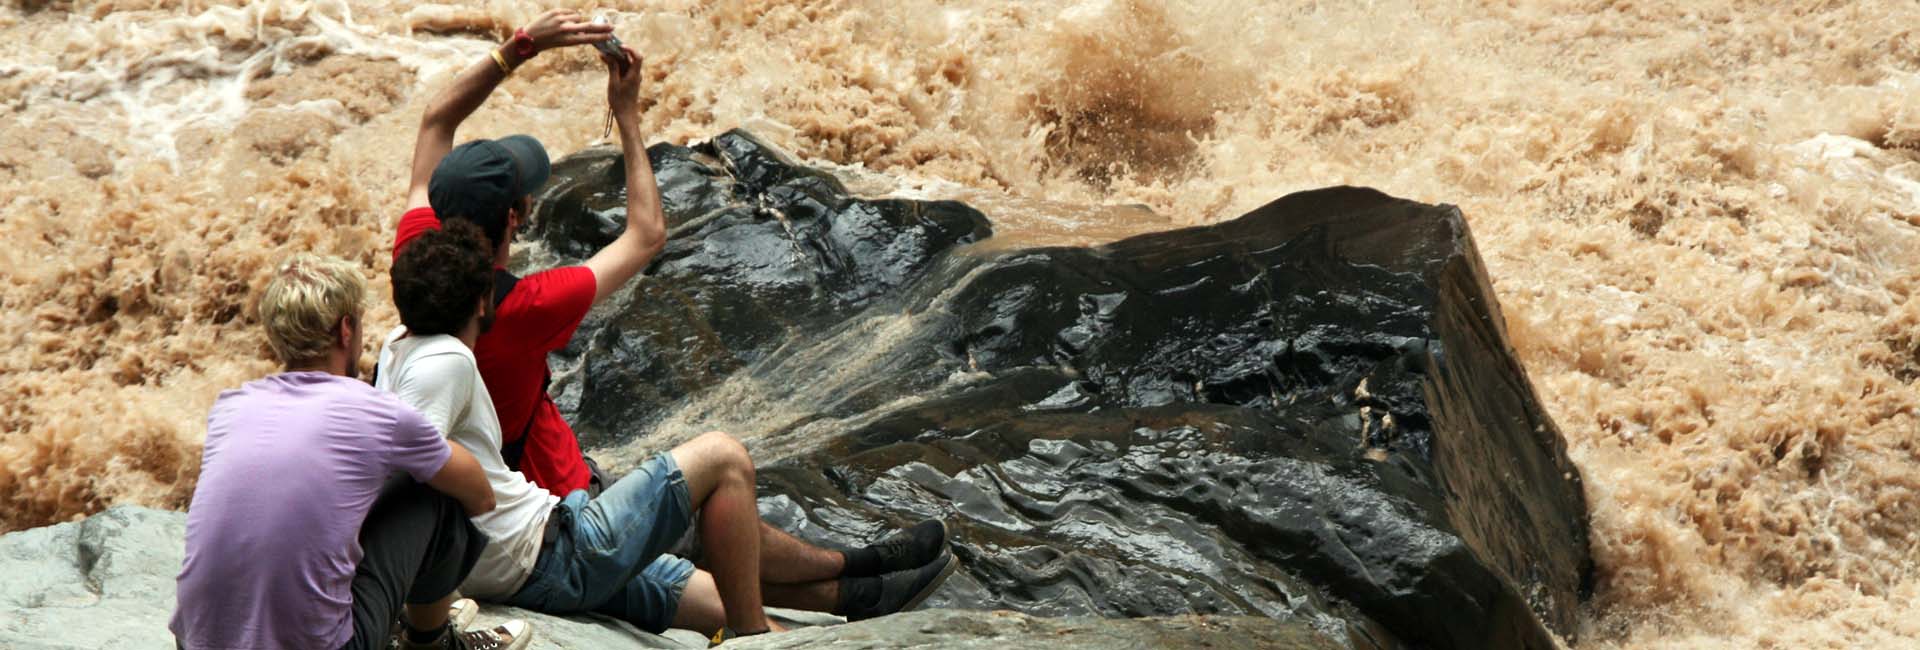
x,y
701,610
431,616
817,596
720,479
786,560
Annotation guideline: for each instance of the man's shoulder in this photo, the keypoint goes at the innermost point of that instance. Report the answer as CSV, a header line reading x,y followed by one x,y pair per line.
x,y
438,353
539,306
544,288
439,344
298,386
413,223
443,370
331,396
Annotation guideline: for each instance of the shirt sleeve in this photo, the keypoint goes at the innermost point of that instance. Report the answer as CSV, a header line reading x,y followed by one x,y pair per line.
x,y
417,446
546,307
414,223
438,387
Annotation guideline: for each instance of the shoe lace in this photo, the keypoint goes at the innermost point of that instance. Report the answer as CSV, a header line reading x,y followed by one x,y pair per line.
x,y
901,544
478,640
896,547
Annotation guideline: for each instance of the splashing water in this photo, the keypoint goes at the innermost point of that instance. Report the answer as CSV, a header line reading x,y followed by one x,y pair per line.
x,y
1701,218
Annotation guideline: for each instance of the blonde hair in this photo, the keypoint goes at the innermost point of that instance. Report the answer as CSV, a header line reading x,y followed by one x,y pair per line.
x,y
305,301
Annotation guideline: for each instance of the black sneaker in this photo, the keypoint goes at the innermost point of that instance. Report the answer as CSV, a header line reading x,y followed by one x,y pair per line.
x,y
459,615
864,598
905,550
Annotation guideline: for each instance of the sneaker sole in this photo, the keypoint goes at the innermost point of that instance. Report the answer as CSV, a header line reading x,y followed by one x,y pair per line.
x,y
462,618
953,564
946,537
523,641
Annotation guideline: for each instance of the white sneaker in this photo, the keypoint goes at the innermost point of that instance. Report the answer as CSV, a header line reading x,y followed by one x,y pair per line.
x,y
462,612
511,635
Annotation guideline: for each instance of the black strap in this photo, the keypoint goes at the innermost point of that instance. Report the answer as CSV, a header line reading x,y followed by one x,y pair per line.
x,y
513,451
503,284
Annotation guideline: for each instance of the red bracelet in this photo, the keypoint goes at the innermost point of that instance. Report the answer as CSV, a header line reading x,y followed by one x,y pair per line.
x,y
523,44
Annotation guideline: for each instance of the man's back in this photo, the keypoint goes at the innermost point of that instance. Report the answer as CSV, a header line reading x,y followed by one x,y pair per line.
x,y
292,464
437,375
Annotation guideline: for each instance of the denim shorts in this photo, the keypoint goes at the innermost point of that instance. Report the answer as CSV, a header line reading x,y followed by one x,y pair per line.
x,y
608,554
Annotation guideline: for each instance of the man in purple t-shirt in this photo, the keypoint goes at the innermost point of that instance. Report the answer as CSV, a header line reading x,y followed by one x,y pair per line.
x,y
299,534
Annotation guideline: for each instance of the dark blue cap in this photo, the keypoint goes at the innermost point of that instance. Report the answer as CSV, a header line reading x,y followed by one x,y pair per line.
x,y
478,181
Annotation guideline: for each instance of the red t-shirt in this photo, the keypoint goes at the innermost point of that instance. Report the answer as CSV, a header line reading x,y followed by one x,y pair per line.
x,y
538,317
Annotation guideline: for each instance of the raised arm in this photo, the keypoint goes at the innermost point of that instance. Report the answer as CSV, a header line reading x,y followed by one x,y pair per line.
x,y
646,230
555,28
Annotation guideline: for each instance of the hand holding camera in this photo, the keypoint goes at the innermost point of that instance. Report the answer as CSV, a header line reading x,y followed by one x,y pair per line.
x,y
623,76
612,47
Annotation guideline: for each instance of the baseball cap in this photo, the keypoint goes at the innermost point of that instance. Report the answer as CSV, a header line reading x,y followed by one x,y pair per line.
x,y
479,180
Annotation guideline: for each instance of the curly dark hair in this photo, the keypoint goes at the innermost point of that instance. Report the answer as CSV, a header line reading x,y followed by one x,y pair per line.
x,y
440,276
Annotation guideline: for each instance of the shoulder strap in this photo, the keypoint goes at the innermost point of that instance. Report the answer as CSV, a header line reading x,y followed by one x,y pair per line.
x,y
503,283
513,452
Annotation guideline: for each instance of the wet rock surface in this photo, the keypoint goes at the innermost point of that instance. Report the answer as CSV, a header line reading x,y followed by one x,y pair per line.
x,y
1001,629
1309,413
761,251
107,582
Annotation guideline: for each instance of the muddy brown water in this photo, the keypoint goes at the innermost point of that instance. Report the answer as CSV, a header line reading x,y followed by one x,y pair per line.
x,y
1699,218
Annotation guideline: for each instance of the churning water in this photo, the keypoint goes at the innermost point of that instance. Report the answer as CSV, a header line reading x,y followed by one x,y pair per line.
x,y
1702,218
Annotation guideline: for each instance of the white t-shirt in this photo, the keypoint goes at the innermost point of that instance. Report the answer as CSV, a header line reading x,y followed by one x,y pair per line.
x,y
437,376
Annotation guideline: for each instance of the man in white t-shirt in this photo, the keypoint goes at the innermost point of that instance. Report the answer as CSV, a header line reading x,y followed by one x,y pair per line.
x,y
580,554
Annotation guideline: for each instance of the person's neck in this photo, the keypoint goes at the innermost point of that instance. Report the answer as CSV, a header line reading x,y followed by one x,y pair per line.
x,y
502,254
334,364
470,334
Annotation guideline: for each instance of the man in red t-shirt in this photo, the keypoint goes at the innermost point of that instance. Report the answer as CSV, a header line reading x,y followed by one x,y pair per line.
x,y
491,183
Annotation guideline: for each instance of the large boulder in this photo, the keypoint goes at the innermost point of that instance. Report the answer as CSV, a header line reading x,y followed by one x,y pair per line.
x,y
1308,413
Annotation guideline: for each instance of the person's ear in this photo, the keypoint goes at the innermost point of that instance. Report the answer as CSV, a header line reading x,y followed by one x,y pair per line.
x,y
345,328
520,214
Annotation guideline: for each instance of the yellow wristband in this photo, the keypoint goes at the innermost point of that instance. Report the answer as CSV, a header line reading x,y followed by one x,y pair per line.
x,y
501,61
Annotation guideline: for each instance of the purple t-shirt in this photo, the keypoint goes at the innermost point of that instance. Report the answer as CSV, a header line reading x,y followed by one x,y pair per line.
x,y
292,464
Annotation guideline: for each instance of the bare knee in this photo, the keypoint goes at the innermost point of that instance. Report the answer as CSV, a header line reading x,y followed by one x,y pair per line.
x,y
729,454
722,443
714,459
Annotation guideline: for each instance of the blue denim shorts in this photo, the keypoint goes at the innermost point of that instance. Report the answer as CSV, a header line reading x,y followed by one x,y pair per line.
x,y
608,554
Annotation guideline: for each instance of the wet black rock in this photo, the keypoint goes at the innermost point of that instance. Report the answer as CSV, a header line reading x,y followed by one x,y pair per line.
x,y
1310,412
761,251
